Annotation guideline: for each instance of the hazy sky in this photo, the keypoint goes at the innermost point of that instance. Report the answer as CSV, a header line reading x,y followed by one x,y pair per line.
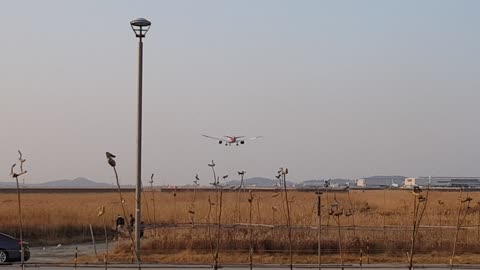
x,y
338,88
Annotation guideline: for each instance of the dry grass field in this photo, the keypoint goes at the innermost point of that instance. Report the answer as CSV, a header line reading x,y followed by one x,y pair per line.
x,y
374,223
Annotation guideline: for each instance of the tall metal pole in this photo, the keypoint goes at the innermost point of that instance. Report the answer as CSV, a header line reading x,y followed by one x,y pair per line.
x,y
138,187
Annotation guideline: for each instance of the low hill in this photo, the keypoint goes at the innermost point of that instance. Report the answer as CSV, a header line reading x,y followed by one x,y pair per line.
x,y
78,182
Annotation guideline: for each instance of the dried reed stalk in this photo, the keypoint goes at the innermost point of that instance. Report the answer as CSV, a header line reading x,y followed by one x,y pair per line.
x,y
218,214
352,212
153,203
463,206
419,206
478,221
440,214
217,247
274,209
250,231
192,210
215,183
335,211
241,189
384,217
282,174
327,184
112,162
19,201
75,258
146,205
319,236
175,225
101,213
209,231
258,218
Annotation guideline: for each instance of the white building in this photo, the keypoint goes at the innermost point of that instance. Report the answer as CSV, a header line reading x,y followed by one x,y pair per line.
x,y
410,182
361,182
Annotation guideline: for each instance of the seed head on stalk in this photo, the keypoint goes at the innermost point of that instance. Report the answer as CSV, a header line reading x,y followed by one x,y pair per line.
x,y
100,211
225,179
110,158
197,180
151,179
22,160
14,174
250,198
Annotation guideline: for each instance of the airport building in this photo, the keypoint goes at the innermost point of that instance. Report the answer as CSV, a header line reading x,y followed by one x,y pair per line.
x,y
402,181
468,182
381,181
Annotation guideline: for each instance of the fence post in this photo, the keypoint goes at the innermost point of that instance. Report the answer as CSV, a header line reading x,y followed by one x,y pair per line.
x,y
93,240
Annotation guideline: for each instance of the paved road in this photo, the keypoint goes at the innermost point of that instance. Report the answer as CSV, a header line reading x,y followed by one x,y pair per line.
x,y
63,253
61,257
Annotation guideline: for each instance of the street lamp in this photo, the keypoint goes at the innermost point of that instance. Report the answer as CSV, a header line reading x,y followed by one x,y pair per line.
x,y
140,26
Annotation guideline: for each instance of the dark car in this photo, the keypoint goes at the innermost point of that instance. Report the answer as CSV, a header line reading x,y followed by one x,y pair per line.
x,y
10,249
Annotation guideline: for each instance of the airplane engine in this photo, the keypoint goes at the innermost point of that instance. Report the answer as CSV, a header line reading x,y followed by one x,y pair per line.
x,y
242,142
220,142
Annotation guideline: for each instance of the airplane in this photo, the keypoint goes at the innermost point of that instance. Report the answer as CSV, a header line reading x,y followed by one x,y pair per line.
x,y
393,185
229,140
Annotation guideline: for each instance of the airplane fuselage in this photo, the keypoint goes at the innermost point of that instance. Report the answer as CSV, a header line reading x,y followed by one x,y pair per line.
x,y
232,140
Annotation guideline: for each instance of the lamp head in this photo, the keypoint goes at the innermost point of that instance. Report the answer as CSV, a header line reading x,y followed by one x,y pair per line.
x,y
140,26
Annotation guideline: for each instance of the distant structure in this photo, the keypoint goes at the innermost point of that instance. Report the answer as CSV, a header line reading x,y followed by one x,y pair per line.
x,y
466,182
336,182
421,181
361,182
393,181
410,182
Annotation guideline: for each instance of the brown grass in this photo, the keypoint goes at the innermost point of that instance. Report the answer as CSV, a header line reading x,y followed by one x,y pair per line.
x,y
58,218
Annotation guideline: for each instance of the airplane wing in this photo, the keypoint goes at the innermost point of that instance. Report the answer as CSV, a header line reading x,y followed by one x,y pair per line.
x,y
215,138
253,138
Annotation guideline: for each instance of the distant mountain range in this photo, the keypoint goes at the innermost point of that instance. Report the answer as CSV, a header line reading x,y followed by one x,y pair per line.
x,y
78,182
